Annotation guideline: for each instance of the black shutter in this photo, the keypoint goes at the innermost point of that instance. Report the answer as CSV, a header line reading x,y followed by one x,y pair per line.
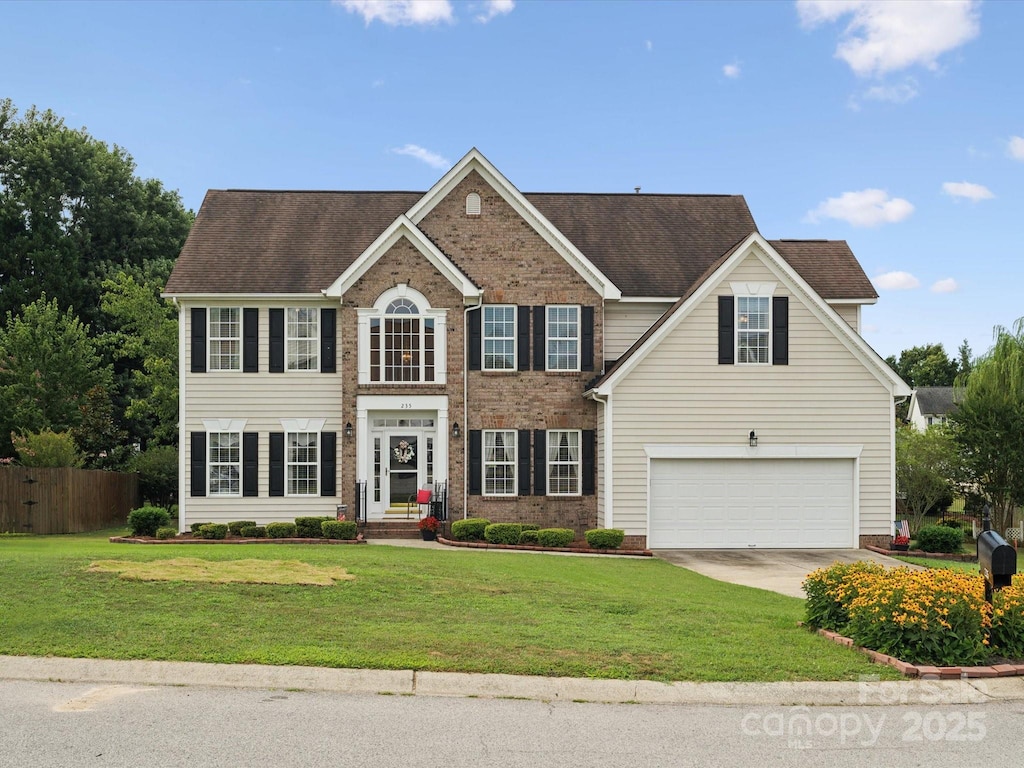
x,y
475,340
780,330
540,462
250,463
250,340
476,462
277,463
198,464
277,341
328,462
589,462
523,340
328,340
539,332
726,330
587,338
523,462
198,340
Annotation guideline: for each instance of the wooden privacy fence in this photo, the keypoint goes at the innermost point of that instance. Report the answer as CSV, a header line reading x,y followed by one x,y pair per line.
x,y
64,500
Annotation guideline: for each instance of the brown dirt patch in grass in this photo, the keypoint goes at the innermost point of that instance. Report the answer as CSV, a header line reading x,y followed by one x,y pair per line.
x,y
224,571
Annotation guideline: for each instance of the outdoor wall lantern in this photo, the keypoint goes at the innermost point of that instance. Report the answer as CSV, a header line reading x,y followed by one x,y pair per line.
x,y
753,439
348,429
456,432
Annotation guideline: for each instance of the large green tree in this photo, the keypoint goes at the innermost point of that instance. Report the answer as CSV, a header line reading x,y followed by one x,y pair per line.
x,y
988,424
73,213
926,467
925,366
48,366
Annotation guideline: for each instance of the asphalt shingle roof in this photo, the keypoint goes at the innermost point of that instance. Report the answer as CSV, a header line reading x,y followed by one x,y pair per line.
x,y
935,400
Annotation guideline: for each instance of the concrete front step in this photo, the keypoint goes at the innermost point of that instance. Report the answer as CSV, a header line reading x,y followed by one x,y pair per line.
x,y
390,530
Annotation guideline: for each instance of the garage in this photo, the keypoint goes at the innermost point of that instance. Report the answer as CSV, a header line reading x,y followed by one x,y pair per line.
x,y
713,503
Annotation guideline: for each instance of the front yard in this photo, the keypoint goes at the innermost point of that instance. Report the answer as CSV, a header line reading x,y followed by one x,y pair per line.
x,y
409,608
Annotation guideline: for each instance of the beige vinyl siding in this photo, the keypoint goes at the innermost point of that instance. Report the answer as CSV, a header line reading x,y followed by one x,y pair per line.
x,y
262,399
680,395
625,322
849,313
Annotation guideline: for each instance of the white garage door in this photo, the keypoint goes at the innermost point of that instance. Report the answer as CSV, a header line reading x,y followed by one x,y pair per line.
x,y
737,504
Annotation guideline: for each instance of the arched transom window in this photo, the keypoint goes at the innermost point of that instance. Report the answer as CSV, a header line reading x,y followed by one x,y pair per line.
x,y
403,340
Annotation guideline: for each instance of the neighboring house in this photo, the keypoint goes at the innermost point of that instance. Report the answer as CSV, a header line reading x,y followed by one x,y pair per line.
x,y
930,405
573,360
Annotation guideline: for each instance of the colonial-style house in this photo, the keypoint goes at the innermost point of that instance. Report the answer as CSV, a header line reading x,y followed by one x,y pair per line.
x,y
637,361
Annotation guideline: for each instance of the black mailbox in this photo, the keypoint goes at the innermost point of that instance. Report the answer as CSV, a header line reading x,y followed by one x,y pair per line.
x,y
997,560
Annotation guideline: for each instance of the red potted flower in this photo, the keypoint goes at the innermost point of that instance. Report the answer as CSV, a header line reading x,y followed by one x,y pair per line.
x,y
901,543
429,527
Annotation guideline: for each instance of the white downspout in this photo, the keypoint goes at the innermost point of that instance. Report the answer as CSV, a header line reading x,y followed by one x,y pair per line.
x,y
465,404
606,455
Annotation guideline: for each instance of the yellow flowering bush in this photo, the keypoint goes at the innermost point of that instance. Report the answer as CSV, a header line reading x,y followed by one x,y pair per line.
x,y
1007,636
830,590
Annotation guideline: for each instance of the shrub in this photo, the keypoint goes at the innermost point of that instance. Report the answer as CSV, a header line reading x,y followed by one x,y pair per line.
x,y
213,531
530,527
166,533
605,538
253,532
194,527
48,449
145,520
158,474
940,538
950,523
339,529
281,530
1007,635
310,527
830,590
235,527
528,536
503,533
470,529
555,537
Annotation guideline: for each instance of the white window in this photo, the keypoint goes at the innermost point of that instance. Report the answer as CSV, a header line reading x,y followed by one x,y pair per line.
x,y
301,338
499,463
225,463
564,462
499,338
402,344
752,324
563,338
225,339
301,463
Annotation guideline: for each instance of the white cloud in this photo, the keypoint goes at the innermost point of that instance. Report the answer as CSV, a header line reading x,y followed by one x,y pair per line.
x,y
649,45
493,8
432,159
945,286
890,35
966,189
400,12
896,281
731,70
900,93
867,208
1016,147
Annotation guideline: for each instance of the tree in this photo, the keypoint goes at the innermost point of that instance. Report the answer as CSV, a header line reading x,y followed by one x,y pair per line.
x,y
988,424
47,449
158,475
926,466
72,213
965,359
925,366
143,343
48,364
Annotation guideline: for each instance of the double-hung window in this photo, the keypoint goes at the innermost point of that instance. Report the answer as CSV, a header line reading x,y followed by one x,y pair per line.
x,y
225,339
563,458
301,338
301,463
499,338
563,338
752,329
225,464
499,462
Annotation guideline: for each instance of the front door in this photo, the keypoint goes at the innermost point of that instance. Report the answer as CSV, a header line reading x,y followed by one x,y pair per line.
x,y
404,469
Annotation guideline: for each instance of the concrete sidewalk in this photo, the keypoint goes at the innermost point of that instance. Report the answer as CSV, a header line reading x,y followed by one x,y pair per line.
x,y
406,682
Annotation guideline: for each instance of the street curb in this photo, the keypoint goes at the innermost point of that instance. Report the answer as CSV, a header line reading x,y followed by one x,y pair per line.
x,y
408,682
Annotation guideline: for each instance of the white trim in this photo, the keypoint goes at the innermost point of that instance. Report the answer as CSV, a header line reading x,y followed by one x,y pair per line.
x,y
661,451
224,425
365,404
514,463
303,425
548,463
240,338
183,468
514,338
290,340
475,161
649,300
366,314
851,301
208,460
402,227
756,244
548,339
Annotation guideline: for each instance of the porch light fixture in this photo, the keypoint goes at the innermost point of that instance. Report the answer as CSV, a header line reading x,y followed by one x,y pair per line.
x,y
456,432
348,429
753,439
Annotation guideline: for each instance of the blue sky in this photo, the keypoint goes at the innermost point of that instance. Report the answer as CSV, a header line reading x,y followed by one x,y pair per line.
x,y
898,127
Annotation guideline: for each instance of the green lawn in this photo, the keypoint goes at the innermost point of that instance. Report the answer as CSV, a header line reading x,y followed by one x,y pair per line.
x,y
467,611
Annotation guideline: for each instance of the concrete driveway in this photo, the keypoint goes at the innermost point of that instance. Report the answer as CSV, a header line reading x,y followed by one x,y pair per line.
x,y
777,570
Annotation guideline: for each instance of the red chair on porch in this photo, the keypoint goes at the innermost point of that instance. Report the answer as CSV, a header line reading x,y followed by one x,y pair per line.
x,y
423,498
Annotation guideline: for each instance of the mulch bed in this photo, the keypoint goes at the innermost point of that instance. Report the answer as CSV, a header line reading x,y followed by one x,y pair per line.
x,y
187,539
959,557
583,550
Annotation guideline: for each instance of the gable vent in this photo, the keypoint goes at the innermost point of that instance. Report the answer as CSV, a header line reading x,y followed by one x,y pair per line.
x,y
472,204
